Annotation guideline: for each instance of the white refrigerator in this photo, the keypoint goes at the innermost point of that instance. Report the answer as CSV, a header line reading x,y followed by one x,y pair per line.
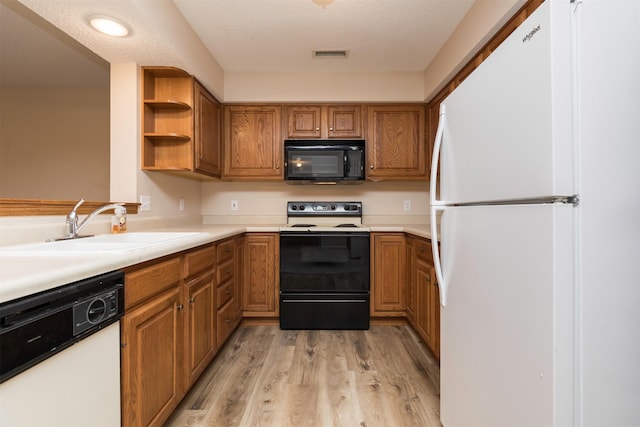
x,y
538,155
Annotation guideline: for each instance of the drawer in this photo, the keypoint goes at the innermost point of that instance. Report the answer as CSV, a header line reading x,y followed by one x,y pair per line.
x,y
199,260
225,292
423,250
225,271
225,250
152,278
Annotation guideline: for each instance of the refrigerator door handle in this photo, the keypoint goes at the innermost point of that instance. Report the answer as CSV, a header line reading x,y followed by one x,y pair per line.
x,y
437,205
435,158
573,199
442,284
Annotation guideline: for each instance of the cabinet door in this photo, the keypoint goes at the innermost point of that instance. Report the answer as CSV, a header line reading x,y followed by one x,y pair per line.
x,y
207,126
261,275
344,121
389,274
253,147
200,315
412,301
304,121
425,297
396,142
152,374
239,277
434,315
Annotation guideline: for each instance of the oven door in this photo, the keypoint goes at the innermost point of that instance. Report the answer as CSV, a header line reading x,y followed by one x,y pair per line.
x,y
330,262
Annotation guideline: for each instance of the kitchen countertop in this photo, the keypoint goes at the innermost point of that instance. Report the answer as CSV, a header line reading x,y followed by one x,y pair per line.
x,y
26,274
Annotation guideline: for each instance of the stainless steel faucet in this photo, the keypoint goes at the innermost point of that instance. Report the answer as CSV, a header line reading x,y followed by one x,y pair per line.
x,y
73,228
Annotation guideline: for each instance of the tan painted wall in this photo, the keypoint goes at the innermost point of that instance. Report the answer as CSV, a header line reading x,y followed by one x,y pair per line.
x,y
70,144
260,202
323,87
482,21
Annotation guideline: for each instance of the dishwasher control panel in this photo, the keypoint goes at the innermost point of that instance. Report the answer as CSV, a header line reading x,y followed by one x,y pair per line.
x,y
95,310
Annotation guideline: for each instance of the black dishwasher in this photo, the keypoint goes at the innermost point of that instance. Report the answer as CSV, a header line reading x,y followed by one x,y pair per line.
x,y
35,327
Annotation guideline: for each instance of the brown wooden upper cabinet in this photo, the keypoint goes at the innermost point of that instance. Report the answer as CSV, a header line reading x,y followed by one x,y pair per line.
x,y
396,142
208,131
252,143
180,124
324,121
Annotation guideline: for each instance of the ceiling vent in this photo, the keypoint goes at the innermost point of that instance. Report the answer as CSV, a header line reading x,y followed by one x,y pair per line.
x,y
331,53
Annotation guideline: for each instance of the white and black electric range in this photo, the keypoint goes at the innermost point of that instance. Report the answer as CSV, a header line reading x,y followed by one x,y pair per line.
x,y
324,267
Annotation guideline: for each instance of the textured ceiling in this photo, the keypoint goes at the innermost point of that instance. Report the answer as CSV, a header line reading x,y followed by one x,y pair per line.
x,y
280,35
266,35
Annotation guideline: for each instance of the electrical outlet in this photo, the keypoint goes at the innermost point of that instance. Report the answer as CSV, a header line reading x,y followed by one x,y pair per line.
x,y
181,205
407,205
145,203
234,205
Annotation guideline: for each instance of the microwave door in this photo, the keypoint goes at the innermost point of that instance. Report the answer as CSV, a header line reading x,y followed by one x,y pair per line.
x,y
310,164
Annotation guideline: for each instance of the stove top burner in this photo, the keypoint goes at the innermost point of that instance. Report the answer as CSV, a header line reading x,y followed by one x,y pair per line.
x,y
303,225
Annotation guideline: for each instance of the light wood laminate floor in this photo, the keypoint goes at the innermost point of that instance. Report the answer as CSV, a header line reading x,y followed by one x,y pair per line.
x,y
264,376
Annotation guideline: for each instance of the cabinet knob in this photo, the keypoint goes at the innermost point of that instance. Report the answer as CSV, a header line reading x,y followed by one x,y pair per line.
x,y
317,128
331,129
180,306
277,166
192,301
228,321
371,167
421,249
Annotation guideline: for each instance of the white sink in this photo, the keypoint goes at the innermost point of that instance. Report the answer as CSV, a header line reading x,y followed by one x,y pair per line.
x,y
140,237
106,243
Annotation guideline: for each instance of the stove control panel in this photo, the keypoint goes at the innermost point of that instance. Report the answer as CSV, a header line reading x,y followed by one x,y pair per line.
x,y
324,208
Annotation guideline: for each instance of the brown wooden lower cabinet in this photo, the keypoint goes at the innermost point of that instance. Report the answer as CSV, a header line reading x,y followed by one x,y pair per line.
x,y
200,325
152,366
388,274
262,275
230,260
170,329
423,299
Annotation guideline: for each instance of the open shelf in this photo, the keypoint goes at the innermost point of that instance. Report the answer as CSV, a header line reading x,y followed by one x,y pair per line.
x,y
168,137
167,104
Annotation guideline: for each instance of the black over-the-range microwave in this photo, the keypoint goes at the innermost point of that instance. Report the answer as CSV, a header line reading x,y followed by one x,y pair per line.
x,y
325,161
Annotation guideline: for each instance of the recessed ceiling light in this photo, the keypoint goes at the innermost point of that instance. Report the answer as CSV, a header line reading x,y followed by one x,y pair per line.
x,y
323,3
108,25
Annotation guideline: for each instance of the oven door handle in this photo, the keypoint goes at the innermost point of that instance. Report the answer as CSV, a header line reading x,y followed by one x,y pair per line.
x,y
323,300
